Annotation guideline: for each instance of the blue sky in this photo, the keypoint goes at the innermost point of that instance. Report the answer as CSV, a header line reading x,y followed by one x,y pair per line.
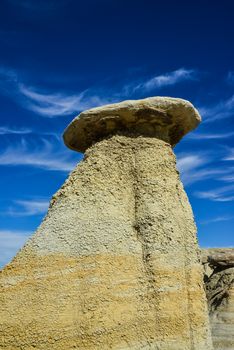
x,y
61,57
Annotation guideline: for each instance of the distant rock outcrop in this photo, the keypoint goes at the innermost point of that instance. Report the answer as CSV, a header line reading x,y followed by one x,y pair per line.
x,y
115,263
219,278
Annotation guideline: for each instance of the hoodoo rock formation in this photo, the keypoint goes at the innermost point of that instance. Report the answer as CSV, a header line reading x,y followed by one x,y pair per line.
x,y
115,263
219,279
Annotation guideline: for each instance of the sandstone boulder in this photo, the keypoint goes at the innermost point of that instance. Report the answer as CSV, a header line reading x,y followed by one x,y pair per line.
x,y
166,118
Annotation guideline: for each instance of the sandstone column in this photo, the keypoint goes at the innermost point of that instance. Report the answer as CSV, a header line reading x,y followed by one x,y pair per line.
x,y
115,263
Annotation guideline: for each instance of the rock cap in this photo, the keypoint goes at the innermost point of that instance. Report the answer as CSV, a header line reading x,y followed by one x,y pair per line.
x,y
166,118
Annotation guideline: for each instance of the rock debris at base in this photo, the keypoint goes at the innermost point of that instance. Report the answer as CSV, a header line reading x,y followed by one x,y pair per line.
x,y
219,279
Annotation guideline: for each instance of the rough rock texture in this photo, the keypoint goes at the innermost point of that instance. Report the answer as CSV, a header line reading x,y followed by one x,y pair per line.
x,y
219,278
115,263
166,118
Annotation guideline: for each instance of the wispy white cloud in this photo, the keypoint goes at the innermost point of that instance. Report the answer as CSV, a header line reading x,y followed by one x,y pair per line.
x,y
228,178
5,130
200,167
190,165
45,103
221,194
200,136
54,104
217,219
28,207
44,155
187,162
160,81
10,242
7,75
230,155
221,110
230,77
203,174
58,104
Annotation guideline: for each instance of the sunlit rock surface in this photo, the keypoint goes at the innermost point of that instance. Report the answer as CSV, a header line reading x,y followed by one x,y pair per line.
x,y
115,263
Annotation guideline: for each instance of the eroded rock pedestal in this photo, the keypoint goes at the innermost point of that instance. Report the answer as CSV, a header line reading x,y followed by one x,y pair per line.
x,y
115,263
219,279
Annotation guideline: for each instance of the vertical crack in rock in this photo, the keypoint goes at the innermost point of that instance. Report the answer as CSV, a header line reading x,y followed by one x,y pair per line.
x,y
140,234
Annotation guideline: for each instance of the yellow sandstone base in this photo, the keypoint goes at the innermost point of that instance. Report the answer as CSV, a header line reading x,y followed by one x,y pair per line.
x,y
96,302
